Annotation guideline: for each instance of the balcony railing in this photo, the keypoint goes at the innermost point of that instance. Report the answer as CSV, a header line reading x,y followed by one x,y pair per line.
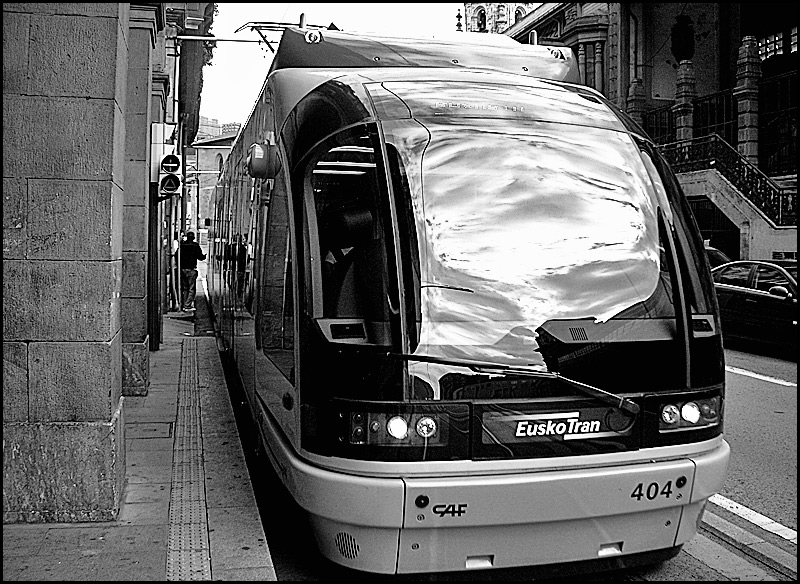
x,y
712,152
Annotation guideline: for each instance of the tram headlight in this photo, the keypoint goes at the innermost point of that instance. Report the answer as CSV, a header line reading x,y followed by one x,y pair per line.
x,y
670,414
426,427
690,412
383,429
397,427
419,426
697,413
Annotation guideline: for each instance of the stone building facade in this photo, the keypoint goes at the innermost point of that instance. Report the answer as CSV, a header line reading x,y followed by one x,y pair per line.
x,y
494,17
715,84
83,86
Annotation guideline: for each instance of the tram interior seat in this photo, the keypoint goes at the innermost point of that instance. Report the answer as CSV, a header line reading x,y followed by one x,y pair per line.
x,y
350,239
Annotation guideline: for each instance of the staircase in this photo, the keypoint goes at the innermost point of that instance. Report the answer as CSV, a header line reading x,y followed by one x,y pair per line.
x,y
764,210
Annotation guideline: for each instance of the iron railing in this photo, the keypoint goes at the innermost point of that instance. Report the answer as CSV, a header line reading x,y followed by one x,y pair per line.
x,y
712,152
712,114
716,114
660,124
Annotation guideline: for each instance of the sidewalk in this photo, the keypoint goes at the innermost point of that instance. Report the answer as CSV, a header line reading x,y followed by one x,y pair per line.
x,y
188,510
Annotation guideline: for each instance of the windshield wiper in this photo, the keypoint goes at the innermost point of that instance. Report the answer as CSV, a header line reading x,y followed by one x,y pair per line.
x,y
606,397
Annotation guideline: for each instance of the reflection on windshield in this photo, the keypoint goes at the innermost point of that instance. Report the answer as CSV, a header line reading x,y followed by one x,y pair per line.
x,y
520,224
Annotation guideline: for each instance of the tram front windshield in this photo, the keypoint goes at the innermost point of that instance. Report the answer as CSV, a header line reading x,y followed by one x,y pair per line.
x,y
531,232
535,224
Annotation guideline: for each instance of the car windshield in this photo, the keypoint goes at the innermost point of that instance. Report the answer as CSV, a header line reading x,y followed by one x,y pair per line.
x,y
527,233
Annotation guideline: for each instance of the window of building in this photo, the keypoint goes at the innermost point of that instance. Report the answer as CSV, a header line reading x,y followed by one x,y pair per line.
x,y
771,45
778,44
518,15
481,21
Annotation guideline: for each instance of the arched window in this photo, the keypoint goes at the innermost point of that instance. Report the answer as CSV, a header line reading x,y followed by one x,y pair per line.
x,y
220,162
519,14
481,20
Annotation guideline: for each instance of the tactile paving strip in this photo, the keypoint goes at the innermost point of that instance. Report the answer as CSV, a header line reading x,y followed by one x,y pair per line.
x,y
188,549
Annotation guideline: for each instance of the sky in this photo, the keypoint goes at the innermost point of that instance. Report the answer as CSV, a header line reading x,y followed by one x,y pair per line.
x,y
233,81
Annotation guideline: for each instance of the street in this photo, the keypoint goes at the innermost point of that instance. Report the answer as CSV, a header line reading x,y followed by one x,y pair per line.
x,y
760,425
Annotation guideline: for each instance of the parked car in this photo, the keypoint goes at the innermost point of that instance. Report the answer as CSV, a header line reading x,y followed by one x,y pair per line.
x,y
716,257
758,301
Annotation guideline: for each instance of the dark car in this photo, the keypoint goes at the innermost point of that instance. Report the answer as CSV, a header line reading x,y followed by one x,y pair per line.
x,y
716,257
758,301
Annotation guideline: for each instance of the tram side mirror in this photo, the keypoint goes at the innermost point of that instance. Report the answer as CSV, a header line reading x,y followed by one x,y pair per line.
x,y
779,291
262,161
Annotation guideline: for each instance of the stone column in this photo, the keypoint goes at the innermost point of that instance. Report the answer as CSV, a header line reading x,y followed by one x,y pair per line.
x,y
135,239
748,74
598,66
64,92
636,102
616,74
589,50
582,63
685,93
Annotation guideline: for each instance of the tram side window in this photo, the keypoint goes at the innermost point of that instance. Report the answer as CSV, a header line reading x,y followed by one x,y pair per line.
x,y
277,308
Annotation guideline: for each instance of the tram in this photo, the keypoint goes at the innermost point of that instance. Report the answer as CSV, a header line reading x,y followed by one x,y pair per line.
x,y
475,323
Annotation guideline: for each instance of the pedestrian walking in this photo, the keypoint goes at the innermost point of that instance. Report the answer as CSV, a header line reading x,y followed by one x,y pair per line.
x,y
189,252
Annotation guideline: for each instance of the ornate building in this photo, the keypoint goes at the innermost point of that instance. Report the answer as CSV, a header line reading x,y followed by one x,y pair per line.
x,y
714,83
494,18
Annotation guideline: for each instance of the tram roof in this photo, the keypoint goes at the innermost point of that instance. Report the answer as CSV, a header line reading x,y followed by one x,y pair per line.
x,y
322,49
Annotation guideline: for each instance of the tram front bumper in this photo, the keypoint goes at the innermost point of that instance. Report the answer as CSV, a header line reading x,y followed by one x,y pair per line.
x,y
524,519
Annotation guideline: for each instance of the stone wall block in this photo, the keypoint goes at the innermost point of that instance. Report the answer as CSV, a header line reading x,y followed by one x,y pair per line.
x,y
99,10
63,472
134,320
121,78
69,56
72,219
15,382
134,237
137,142
61,138
61,300
16,39
141,46
15,214
135,368
138,96
118,155
74,382
137,183
134,274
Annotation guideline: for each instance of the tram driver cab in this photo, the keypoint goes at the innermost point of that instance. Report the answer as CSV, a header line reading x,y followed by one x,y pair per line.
x,y
352,264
